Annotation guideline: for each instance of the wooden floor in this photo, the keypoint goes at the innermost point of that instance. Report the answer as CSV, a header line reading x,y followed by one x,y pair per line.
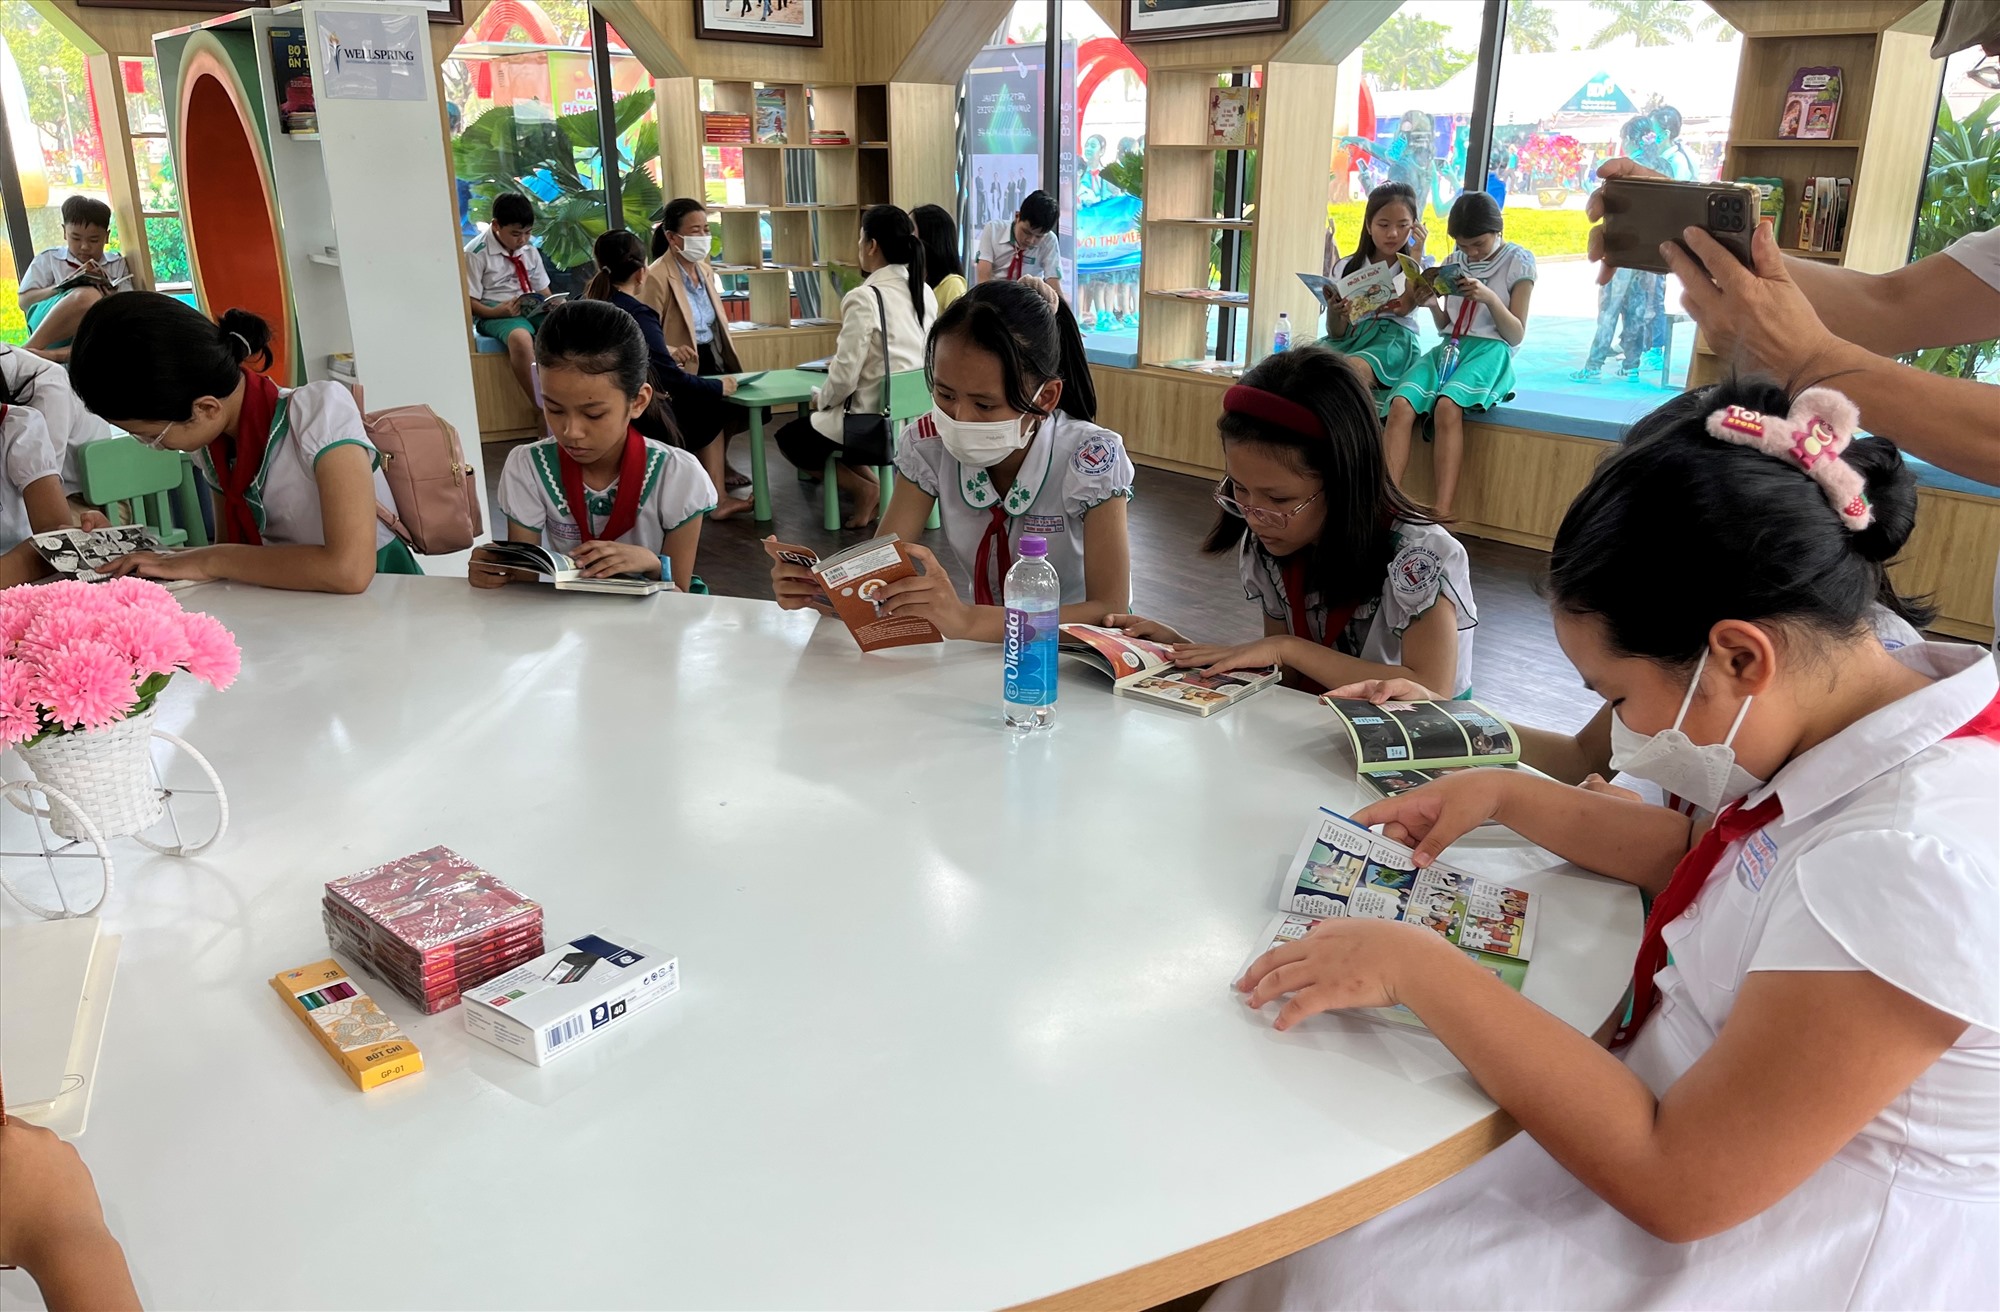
x,y
1517,668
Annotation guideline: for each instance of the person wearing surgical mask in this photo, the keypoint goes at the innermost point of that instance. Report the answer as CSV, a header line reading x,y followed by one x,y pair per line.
x,y
1801,1107
1007,449
681,288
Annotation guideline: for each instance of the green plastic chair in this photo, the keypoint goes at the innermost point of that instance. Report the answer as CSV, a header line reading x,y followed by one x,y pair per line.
x,y
909,398
134,484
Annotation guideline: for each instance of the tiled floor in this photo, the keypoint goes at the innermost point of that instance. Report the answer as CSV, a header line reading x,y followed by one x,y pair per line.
x,y
1517,669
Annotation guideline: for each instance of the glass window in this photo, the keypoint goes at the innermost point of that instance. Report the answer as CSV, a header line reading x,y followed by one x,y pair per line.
x,y
153,167
1106,186
1964,143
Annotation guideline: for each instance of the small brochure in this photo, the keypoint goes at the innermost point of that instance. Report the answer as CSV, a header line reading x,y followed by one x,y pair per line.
x,y
564,572
1143,669
76,554
1342,869
1407,737
854,577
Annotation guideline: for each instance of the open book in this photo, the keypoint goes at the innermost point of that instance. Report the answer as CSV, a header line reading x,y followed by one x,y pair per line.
x,y
1444,279
537,302
1407,736
1342,869
76,554
1139,668
565,573
94,278
852,579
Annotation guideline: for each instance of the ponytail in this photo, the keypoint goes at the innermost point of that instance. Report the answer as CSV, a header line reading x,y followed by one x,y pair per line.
x,y
144,355
619,256
895,235
1079,394
1033,342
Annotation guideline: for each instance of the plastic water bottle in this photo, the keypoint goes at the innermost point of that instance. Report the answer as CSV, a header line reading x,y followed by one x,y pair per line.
x,y
1033,595
1281,336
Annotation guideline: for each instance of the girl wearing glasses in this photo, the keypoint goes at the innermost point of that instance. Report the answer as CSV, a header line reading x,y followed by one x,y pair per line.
x,y
1356,581
295,477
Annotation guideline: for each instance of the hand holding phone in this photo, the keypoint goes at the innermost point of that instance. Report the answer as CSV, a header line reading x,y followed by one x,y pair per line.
x,y
1642,214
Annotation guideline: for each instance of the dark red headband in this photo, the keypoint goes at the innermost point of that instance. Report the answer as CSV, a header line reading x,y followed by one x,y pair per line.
x,y
1272,409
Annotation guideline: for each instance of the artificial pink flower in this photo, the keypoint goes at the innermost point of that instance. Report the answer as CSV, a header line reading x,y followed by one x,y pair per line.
x,y
154,641
85,684
18,607
133,591
213,656
19,718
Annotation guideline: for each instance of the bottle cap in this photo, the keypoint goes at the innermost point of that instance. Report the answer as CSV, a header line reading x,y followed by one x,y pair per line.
x,y
1034,545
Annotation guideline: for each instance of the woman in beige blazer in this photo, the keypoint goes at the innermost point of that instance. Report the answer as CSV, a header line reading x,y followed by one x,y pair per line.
x,y
681,288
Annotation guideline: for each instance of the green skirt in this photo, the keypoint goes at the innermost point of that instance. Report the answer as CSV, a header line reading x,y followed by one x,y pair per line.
x,y
41,310
396,558
1483,379
1388,346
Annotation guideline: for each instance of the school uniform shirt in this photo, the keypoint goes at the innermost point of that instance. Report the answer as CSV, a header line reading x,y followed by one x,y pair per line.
x,y
27,456
531,495
495,274
1510,263
1071,467
997,247
854,371
1885,859
54,266
43,385
1429,564
284,496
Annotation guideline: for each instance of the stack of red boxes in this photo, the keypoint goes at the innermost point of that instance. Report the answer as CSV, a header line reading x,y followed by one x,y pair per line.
x,y
431,925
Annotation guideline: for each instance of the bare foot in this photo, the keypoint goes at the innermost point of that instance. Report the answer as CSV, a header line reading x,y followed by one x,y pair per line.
x,y
728,507
865,517
734,479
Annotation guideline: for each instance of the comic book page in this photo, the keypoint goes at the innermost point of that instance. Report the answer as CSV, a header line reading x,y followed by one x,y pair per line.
x,y
1414,736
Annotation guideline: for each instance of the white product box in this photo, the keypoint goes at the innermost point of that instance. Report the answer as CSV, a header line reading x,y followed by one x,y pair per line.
x,y
571,993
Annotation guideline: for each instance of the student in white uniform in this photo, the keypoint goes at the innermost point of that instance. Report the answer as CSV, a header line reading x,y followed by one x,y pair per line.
x,y
31,496
1009,449
642,501
1025,246
295,478
54,314
1355,580
44,386
1806,1109
506,279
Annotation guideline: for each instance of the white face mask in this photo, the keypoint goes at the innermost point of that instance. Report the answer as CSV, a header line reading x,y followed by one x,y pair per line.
x,y
696,248
980,445
1706,775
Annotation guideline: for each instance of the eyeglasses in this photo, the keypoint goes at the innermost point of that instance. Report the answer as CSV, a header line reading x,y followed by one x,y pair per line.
x,y
1986,73
1257,514
157,441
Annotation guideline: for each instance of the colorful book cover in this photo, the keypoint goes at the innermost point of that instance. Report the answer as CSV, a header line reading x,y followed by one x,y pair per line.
x,y
1229,116
1812,104
770,106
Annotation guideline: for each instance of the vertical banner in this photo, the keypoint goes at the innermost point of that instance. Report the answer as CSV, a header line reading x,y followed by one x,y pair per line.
x,y
1066,166
373,56
1003,107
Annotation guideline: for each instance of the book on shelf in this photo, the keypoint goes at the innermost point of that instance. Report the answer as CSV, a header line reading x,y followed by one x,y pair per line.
x,y
1812,104
1146,670
1424,735
1212,294
1770,198
1204,365
771,115
852,580
563,571
725,129
341,365
1823,204
1341,869
831,137
291,71
1232,115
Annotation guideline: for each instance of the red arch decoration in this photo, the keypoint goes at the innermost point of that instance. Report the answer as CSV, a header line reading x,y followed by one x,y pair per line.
x,y
1097,59
503,16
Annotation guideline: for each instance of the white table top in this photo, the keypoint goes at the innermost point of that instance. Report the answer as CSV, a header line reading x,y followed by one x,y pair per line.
x,y
955,1030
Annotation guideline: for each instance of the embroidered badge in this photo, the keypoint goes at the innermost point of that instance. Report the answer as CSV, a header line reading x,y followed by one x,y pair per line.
x,y
1095,456
1415,572
1754,866
1044,524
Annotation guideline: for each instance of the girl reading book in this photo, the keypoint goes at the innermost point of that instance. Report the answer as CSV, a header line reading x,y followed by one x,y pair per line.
x,y
1007,449
1803,1108
1381,345
1484,316
597,491
295,477
1356,581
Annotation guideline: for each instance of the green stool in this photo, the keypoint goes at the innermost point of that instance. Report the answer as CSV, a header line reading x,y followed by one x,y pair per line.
x,y
909,398
134,484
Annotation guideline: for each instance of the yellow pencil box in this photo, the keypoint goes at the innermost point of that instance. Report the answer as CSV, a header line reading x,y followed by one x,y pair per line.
x,y
367,1044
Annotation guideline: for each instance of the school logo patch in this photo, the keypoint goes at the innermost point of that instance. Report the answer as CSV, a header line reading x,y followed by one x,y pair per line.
x,y
1754,866
1414,574
1044,525
1095,456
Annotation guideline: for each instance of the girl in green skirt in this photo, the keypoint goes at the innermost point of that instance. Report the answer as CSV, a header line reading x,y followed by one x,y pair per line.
x,y
1380,345
1483,321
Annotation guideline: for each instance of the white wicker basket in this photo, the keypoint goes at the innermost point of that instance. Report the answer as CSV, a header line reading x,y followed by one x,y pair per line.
x,y
106,772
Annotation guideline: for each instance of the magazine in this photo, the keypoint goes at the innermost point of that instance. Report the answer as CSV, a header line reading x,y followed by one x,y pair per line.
x,y
76,554
852,579
564,572
1369,288
1812,104
1413,736
1139,668
1444,279
1341,869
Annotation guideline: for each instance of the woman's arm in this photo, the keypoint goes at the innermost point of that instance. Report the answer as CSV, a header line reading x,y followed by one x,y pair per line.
x,y
48,508
345,564
1805,1060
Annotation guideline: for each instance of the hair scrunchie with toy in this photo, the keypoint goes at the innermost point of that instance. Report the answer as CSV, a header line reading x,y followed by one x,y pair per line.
x,y
1820,427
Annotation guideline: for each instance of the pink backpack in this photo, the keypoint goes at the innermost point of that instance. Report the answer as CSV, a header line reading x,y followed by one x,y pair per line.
x,y
437,505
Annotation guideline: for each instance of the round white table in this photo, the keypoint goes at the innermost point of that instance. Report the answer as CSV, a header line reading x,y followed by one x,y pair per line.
x,y
956,1029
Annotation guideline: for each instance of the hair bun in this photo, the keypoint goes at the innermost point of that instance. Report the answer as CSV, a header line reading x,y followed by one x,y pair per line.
x,y
1892,495
246,337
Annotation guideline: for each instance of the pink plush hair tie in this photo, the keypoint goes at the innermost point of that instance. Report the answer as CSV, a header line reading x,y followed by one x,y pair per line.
x,y
1820,427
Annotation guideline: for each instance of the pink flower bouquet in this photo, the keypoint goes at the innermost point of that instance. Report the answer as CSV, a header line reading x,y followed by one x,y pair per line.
x,y
81,656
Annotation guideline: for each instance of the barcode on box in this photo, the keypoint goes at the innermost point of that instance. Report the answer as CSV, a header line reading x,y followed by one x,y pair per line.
x,y
564,1031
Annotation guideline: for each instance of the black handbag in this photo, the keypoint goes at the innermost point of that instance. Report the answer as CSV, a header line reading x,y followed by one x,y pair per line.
x,y
864,438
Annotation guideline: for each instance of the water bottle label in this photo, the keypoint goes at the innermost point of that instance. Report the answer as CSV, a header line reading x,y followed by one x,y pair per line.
x,y
1030,657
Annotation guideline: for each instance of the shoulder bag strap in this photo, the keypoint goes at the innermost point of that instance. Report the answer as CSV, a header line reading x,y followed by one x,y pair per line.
x,y
882,310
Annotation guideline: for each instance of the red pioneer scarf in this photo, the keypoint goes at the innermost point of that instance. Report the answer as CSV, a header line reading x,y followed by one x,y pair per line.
x,y
993,559
238,460
624,506
1297,621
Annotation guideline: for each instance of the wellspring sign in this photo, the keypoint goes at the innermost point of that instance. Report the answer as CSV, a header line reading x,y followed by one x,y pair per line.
x,y
373,56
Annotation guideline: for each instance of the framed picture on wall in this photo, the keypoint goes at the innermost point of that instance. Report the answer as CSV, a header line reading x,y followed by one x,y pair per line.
x,y
440,11
200,6
767,22
1173,20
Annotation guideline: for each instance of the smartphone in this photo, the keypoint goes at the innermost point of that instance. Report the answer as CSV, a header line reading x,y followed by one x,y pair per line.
x,y
1641,213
